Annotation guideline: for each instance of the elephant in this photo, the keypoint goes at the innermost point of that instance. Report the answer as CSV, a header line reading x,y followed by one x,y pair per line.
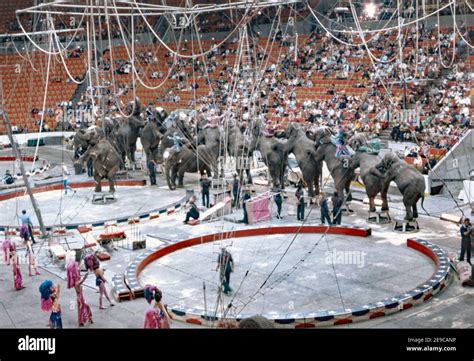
x,y
273,152
340,169
105,158
182,126
186,160
409,180
239,148
214,141
128,132
305,153
152,133
366,161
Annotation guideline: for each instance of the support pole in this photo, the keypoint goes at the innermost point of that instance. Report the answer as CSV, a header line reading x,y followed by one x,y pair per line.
x,y
17,154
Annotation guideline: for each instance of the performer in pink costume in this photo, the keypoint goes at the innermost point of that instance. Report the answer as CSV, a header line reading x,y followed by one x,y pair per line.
x,y
156,316
93,264
6,245
17,278
84,313
31,259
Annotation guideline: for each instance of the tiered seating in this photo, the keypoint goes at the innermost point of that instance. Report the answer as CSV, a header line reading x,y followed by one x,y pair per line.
x,y
7,12
24,87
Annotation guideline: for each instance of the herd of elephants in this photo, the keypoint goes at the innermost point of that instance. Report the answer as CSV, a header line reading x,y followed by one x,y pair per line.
x,y
203,144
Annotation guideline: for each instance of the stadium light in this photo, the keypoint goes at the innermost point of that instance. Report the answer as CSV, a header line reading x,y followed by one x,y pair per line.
x,y
370,10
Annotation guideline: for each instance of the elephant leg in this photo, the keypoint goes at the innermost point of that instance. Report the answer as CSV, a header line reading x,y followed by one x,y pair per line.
x,y
372,204
111,185
409,213
180,175
98,185
316,185
348,192
415,211
310,192
133,149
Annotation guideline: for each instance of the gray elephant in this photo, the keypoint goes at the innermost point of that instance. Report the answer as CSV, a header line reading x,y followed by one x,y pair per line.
x,y
214,141
305,153
365,159
152,133
186,161
274,154
105,159
409,180
239,147
128,132
340,169
182,126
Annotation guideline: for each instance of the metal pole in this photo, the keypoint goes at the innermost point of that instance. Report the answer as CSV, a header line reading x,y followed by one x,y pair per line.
x,y
17,154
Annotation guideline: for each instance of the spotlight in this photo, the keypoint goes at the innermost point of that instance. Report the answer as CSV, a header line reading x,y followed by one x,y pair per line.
x,y
370,9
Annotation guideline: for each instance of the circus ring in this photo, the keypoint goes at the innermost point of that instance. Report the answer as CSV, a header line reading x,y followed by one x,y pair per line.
x,y
427,285
132,192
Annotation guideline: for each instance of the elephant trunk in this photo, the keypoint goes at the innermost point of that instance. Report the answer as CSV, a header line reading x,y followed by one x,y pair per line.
x,y
169,181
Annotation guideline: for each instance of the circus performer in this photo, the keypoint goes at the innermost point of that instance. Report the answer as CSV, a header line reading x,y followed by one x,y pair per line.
x,y
156,316
84,313
31,259
339,141
6,246
93,264
17,278
50,302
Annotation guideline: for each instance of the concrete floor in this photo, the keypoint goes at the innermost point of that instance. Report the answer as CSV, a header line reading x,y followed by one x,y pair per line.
x,y
365,275
387,259
60,208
